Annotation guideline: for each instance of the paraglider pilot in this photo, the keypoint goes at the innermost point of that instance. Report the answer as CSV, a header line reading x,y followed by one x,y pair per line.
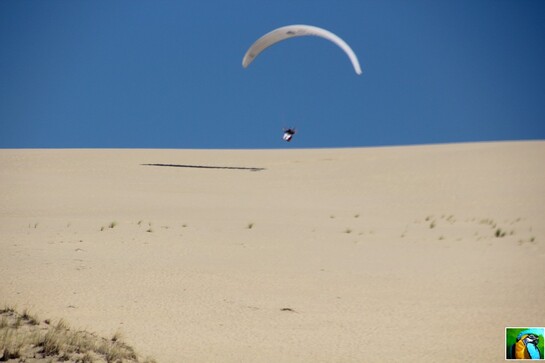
x,y
288,134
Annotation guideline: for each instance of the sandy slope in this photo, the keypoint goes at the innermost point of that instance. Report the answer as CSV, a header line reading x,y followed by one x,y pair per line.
x,y
348,255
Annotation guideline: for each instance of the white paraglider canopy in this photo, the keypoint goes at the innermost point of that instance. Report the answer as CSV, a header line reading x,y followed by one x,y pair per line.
x,y
292,31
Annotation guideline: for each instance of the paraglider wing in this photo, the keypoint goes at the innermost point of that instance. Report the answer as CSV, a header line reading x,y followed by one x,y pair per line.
x,y
292,31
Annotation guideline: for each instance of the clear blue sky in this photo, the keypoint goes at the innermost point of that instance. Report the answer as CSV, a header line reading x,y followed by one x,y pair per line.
x,y
168,74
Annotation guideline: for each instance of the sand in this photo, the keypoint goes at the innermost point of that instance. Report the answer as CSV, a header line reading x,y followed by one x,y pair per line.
x,y
414,253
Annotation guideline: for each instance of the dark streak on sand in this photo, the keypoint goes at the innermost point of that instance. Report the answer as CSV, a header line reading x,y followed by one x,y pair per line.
x,y
206,167
288,309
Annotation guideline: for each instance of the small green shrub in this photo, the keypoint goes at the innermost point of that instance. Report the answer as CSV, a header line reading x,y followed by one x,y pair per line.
x,y
499,233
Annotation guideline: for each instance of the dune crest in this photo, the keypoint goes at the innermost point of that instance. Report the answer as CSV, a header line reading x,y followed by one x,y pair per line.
x,y
318,256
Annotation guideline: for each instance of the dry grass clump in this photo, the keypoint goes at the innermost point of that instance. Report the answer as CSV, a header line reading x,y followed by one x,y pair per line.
x,y
62,341
30,318
23,337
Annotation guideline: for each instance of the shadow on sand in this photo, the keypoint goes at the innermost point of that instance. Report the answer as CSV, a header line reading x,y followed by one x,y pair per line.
x,y
206,167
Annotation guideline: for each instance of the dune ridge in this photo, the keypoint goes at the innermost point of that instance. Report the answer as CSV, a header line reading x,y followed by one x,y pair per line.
x,y
281,255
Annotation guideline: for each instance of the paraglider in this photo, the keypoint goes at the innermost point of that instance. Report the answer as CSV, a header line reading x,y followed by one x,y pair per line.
x,y
288,134
292,31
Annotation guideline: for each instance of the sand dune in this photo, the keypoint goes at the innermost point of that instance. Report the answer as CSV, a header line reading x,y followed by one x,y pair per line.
x,y
422,253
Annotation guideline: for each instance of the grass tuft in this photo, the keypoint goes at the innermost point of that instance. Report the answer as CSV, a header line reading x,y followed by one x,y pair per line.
x,y
62,325
500,233
4,322
31,318
118,336
7,309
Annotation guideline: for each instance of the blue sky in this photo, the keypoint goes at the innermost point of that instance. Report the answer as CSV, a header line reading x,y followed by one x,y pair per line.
x,y
168,74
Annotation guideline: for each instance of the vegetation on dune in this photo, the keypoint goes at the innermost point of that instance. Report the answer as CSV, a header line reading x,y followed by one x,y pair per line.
x,y
449,227
24,337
